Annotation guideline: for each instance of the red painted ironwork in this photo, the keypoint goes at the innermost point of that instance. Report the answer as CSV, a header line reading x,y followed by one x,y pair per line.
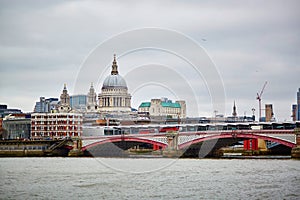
x,y
237,135
254,135
127,139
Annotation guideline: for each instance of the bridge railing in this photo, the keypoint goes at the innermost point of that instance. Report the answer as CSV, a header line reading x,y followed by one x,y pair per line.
x,y
218,132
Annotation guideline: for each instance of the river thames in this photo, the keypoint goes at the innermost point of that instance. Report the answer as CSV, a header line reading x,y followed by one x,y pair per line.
x,y
148,178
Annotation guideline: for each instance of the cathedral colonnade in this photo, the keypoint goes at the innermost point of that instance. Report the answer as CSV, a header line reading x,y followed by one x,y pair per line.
x,y
114,102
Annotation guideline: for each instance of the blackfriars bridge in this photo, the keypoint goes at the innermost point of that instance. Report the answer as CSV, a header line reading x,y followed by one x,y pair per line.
x,y
185,143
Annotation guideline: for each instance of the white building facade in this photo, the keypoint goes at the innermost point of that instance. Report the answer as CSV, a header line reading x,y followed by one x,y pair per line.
x,y
164,107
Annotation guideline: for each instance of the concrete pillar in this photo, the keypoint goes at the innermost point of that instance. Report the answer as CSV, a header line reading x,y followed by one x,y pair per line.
x,y
76,151
172,149
262,145
297,132
172,139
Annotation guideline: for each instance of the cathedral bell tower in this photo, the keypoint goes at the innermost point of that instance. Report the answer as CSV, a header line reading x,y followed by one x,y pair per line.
x,y
91,100
64,105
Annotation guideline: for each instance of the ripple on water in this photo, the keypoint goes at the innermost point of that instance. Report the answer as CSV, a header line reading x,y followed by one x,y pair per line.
x,y
57,178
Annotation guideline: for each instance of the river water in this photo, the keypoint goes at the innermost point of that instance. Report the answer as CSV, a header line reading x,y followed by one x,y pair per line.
x,y
148,178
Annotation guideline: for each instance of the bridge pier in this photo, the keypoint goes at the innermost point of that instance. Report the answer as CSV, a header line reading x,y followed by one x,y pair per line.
x,y
296,150
172,150
76,151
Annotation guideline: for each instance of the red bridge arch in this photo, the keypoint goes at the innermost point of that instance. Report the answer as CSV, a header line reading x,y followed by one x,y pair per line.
x,y
240,135
127,139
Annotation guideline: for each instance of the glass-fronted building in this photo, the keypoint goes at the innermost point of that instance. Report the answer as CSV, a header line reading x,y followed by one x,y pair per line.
x,y
78,102
16,128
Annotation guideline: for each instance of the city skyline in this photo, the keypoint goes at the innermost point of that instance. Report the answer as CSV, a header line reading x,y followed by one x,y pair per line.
x,y
44,45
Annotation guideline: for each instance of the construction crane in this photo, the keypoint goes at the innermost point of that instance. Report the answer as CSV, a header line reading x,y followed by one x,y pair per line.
x,y
259,100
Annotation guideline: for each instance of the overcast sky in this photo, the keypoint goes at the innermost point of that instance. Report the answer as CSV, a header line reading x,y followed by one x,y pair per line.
x,y
44,44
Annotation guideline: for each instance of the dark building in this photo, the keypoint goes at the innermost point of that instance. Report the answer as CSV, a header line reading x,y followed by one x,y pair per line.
x,y
298,106
234,113
45,105
294,112
4,111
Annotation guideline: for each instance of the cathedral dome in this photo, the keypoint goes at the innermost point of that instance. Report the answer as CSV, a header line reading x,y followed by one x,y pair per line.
x,y
114,80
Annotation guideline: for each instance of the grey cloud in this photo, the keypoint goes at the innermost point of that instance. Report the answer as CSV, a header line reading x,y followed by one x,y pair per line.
x,y
249,41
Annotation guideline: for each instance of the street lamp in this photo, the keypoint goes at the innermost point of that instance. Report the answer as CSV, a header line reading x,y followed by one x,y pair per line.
x,y
215,111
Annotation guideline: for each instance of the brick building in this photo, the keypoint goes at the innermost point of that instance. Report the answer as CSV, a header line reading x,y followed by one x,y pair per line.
x,y
56,125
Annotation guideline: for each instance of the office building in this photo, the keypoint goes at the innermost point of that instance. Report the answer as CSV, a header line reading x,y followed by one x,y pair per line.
x,y
45,105
78,102
294,112
269,113
4,111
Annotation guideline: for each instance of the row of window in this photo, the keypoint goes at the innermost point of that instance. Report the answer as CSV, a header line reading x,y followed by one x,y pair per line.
x,y
57,128
56,119
162,111
122,90
57,134
23,147
56,123
58,115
